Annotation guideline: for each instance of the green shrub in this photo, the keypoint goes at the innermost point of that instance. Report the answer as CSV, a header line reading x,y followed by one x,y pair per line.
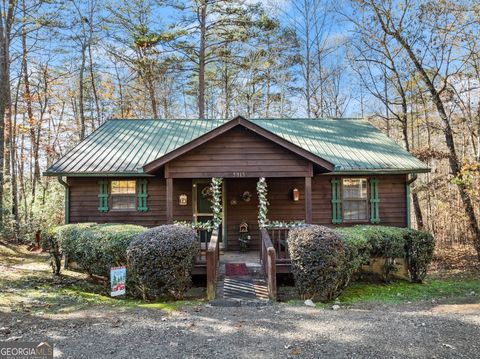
x,y
318,261
162,260
419,247
95,248
49,243
357,251
390,243
386,242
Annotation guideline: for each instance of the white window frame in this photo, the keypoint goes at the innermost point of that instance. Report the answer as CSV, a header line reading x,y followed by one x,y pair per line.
x,y
132,196
355,199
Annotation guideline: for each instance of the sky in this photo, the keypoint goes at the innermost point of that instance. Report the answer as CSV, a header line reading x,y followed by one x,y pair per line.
x,y
57,46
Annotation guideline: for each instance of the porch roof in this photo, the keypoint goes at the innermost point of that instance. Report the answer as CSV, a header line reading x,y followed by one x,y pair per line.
x,y
123,147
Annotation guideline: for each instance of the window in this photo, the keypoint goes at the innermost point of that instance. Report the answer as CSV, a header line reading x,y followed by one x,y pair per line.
x,y
123,195
355,205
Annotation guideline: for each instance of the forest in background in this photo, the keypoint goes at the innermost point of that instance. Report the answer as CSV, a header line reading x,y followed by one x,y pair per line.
x,y
412,68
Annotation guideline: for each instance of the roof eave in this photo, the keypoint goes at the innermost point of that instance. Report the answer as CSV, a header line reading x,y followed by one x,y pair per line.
x,y
96,174
379,171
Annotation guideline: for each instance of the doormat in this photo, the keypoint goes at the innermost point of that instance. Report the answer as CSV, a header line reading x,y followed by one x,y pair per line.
x,y
236,269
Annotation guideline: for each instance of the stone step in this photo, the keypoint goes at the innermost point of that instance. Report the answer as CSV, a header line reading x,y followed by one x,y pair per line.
x,y
222,302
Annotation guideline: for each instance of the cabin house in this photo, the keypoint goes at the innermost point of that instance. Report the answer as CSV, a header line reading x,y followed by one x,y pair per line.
x,y
333,172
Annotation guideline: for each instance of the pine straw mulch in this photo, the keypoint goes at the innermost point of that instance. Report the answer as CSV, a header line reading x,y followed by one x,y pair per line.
x,y
455,261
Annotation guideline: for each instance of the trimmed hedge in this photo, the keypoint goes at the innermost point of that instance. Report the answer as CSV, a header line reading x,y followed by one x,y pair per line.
x,y
162,260
390,243
95,248
357,251
385,242
318,261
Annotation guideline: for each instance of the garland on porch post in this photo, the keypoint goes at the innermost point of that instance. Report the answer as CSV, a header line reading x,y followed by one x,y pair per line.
x,y
216,187
262,202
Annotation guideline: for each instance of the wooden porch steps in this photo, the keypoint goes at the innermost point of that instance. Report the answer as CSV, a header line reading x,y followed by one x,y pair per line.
x,y
245,290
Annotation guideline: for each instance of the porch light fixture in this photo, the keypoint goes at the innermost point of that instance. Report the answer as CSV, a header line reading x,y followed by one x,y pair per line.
x,y
183,200
295,194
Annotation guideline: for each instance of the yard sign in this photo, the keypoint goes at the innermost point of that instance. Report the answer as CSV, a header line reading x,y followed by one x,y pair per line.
x,y
118,278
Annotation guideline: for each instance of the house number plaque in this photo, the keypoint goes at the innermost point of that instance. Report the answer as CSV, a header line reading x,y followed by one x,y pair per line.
x,y
239,174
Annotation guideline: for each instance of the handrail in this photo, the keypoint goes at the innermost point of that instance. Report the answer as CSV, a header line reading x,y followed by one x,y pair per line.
x,y
278,236
269,263
203,236
213,256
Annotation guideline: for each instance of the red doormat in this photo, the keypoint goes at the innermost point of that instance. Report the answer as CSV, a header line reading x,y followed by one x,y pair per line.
x,y
236,269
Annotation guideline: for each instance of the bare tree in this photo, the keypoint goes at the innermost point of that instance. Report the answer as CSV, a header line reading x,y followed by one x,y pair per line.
x,y
432,57
7,17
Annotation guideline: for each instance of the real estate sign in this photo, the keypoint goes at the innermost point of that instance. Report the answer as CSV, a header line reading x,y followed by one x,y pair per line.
x,y
118,279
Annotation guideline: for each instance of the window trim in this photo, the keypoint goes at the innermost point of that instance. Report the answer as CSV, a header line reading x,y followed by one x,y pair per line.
x,y
111,195
366,200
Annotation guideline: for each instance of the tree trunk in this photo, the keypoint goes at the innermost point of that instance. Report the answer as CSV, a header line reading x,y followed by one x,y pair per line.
x,y
150,85
307,58
120,91
81,105
21,172
32,125
226,91
13,156
94,86
202,16
6,21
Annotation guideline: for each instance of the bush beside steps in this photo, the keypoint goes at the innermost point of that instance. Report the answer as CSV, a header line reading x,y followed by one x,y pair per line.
x,y
324,260
161,260
318,262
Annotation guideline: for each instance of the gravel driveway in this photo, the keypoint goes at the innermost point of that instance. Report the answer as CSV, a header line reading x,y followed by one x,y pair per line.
x,y
278,331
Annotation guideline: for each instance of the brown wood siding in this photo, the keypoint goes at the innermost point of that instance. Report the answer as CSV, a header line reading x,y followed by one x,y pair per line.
x,y
393,205
242,211
84,204
182,213
391,192
281,208
321,200
239,153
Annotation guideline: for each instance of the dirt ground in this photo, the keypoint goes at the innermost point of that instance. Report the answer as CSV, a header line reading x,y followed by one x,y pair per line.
x,y
459,260
66,312
278,331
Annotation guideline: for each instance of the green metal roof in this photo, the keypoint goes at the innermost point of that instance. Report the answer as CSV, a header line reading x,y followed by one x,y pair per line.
x,y
123,147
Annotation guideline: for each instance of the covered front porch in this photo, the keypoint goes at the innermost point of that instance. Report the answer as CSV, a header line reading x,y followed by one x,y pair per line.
x,y
271,259
240,154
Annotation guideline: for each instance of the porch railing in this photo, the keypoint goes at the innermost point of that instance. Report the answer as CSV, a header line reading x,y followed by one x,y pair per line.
x,y
279,239
269,258
213,259
204,238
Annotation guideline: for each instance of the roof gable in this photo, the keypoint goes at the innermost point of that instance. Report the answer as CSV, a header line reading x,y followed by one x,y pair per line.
x,y
237,121
238,152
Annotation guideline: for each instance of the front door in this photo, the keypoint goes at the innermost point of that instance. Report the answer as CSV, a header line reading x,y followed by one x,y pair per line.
x,y
202,205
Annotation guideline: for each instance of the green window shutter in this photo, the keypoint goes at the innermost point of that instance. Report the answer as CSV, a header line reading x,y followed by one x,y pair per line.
x,y
374,200
336,201
103,196
142,194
